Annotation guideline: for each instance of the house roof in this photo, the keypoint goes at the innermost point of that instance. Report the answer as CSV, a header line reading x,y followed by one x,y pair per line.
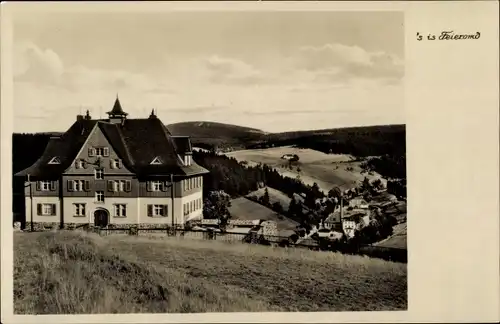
x,y
136,141
182,144
117,109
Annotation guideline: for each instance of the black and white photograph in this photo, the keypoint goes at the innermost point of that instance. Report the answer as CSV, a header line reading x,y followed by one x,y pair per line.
x,y
209,161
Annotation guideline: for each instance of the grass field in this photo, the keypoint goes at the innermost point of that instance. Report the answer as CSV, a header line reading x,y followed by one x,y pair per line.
x,y
243,208
327,170
78,273
274,196
397,240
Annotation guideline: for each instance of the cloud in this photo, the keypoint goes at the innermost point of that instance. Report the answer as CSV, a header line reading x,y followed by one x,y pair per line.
x,y
233,71
44,67
338,62
32,63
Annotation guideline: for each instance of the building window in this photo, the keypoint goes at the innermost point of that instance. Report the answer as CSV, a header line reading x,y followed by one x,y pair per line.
x,y
80,164
120,210
55,160
157,210
78,185
156,160
46,209
101,151
99,174
99,196
119,185
44,185
116,164
187,159
155,185
79,209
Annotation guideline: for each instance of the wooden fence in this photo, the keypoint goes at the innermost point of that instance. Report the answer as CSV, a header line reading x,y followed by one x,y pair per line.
x,y
389,254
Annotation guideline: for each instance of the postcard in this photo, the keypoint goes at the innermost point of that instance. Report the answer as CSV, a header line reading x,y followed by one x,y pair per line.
x,y
249,162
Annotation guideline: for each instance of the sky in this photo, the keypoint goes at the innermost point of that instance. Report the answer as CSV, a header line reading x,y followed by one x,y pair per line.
x,y
275,71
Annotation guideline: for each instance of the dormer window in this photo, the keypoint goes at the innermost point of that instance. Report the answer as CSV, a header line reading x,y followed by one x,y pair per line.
x,y
156,160
187,159
115,164
55,160
80,164
98,151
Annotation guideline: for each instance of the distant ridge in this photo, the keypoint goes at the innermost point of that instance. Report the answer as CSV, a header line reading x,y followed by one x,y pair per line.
x,y
213,133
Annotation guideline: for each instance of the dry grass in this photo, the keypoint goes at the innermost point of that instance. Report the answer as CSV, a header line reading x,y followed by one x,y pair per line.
x,y
243,208
274,196
327,170
76,273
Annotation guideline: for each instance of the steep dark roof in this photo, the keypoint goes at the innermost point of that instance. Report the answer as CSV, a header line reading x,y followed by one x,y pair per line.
x,y
137,142
117,109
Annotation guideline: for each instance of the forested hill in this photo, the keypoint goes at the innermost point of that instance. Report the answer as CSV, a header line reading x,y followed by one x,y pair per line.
x,y
212,134
358,141
389,140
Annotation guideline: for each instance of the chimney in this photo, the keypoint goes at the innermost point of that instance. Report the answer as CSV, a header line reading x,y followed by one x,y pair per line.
x,y
87,116
79,117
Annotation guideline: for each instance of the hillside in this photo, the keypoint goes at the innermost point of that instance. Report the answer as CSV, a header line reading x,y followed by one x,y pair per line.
x,y
327,170
243,208
358,141
274,196
79,273
212,133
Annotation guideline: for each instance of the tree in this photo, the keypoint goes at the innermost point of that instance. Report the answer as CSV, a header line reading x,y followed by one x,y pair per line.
x,y
216,207
277,207
334,192
265,199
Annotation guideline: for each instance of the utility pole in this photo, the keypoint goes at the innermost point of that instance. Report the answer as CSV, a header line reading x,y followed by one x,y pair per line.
x,y
31,202
172,194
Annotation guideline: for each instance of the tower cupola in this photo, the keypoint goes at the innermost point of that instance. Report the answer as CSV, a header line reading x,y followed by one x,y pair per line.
x,y
117,115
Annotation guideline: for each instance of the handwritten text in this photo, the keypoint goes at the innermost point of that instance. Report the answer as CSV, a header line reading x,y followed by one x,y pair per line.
x,y
448,35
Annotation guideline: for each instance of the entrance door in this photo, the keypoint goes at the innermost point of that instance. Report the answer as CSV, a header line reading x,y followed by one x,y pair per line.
x,y
101,218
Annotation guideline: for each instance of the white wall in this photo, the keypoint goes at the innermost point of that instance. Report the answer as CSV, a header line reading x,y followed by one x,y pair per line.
x,y
92,206
40,218
198,213
137,211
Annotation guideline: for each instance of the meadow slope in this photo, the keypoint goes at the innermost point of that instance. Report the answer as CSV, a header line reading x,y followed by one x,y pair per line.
x,y
77,273
327,170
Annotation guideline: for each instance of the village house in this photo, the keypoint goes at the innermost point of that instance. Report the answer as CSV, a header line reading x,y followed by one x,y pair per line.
x,y
358,202
114,172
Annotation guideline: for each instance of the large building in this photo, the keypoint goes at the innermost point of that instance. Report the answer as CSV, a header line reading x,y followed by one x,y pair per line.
x,y
114,172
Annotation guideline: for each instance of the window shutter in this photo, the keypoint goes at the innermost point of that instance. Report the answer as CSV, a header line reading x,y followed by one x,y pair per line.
x,y
148,185
119,164
71,185
53,185
83,209
91,151
164,186
77,164
150,210
111,185
87,185
124,211
111,164
105,151
165,210
39,209
38,185
53,209
128,186
85,164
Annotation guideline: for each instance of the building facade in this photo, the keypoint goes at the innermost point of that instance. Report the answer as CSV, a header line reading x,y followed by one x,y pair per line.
x,y
114,172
